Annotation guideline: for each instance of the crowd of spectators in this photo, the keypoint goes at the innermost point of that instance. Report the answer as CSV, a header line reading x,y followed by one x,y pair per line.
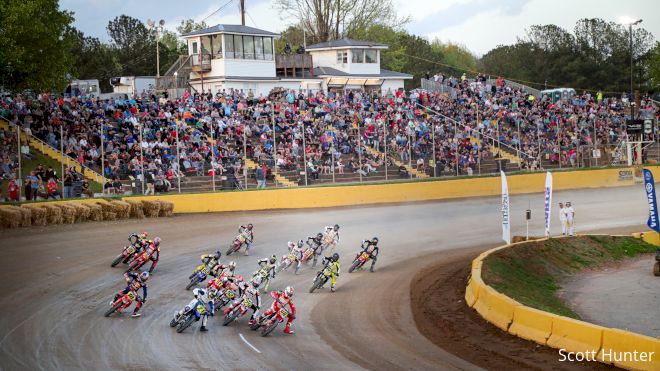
x,y
315,132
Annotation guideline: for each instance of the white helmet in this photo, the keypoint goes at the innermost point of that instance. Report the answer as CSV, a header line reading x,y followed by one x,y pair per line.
x,y
257,279
291,245
213,292
232,265
288,291
198,292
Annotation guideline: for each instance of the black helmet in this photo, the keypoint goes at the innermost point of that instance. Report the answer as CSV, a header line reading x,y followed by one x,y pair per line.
x,y
218,254
374,240
249,226
336,227
319,236
335,257
273,259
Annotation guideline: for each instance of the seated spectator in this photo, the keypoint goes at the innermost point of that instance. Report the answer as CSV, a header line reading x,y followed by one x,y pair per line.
x,y
117,186
85,188
403,173
52,189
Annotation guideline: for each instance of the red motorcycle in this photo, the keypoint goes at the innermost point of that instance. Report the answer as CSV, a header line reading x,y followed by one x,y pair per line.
x,y
139,260
125,256
359,261
269,323
238,312
236,244
123,301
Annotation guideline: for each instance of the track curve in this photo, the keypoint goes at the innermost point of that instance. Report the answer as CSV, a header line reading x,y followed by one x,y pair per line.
x,y
58,282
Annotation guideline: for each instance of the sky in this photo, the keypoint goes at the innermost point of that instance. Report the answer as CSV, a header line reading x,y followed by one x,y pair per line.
x,y
479,25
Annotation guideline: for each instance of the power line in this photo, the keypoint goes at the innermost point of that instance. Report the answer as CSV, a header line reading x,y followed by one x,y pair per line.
x,y
217,10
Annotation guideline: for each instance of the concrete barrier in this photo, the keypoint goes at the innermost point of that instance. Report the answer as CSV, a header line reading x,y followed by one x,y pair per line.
x,y
618,347
531,324
628,350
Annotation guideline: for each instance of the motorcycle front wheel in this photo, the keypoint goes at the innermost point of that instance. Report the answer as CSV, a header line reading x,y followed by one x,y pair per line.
x,y
112,309
116,261
192,283
230,317
185,324
269,328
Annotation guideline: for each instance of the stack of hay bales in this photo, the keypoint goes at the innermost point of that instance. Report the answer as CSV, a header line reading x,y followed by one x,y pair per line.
x,y
68,212
26,216
122,209
166,208
38,215
151,208
108,211
53,213
82,212
136,209
10,217
95,212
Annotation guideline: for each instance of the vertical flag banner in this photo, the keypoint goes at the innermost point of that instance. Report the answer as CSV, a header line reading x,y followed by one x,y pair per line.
x,y
649,185
548,202
506,227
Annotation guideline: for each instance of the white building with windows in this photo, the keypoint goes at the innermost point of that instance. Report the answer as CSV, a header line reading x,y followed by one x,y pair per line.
x,y
242,57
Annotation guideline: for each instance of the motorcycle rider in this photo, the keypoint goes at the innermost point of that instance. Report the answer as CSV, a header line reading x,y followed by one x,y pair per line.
x,y
332,263
135,283
299,252
151,253
267,266
246,232
250,291
205,298
332,236
227,276
280,300
315,243
139,242
210,260
371,248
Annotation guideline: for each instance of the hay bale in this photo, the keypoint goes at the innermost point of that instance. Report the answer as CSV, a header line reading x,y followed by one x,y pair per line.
x,y
38,215
26,216
151,208
68,212
53,213
10,218
108,210
82,212
123,209
136,209
166,208
95,212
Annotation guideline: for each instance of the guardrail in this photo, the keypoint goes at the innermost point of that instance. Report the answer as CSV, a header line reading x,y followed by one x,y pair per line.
x,y
557,331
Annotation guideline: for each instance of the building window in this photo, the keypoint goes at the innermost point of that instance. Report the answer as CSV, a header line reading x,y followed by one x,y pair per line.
x,y
342,57
248,47
268,48
358,56
216,46
371,56
194,47
238,44
229,46
258,48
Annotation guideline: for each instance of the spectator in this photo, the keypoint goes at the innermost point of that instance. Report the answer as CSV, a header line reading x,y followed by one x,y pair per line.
x,y
52,189
261,177
117,186
12,190
85,188
68,184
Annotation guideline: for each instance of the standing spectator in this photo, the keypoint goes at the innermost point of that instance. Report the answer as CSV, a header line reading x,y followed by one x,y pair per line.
x,y
34,185
562,218
50,173
68,184
570,215
261,177
150,184
52,189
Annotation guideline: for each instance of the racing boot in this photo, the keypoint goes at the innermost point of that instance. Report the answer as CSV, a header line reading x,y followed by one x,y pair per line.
x,y
332,288
288,330
252,321
135,315
203,329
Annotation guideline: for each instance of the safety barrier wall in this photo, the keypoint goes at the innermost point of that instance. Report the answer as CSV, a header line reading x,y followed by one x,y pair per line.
x,y
607,345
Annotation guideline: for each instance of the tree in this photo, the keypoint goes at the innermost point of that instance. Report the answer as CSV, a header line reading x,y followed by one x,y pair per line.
x,y
654,68
324,20
35,44
92,60
457,57
189,25
134,46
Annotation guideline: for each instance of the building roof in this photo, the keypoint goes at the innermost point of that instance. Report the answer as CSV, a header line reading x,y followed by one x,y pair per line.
x,y
346,43
232,29
329,71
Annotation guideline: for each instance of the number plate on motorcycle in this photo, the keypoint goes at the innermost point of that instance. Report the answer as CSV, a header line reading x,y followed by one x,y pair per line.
x,y
131,295
284,313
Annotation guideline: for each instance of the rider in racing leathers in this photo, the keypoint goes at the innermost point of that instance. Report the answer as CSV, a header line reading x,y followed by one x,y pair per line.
x,y
250,291
246,231
206,298
332,263
299,252
280,300
332,236
135,283
371,248
315,243
223,278
141,242
210,260
267,266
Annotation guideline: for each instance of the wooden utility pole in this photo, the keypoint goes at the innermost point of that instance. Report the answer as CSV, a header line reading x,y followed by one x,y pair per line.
x,y
243,12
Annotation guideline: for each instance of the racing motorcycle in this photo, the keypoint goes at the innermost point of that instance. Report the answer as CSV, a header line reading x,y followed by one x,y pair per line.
x,y
269,323
224,297
189,315
286,261
128,251
238,312
239,241
321,278
359,261
138,261
199,277
265,278
123,301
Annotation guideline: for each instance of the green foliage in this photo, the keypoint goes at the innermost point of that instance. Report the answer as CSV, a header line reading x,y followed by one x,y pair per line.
x,y
457,56
654,68
35,44
595,56
93,60
133,45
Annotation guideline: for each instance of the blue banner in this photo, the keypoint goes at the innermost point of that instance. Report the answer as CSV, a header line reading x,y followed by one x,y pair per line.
x,y
649,185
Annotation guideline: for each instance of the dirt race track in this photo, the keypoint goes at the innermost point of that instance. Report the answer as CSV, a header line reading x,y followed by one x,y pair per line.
x,y
58,281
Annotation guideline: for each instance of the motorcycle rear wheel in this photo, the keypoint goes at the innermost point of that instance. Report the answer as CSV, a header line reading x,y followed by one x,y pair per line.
x,y
268,329
315,285
112,309
230,317
185,324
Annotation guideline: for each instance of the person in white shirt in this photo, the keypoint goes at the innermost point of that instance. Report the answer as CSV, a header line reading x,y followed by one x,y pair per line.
x,y
570,218
562,218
